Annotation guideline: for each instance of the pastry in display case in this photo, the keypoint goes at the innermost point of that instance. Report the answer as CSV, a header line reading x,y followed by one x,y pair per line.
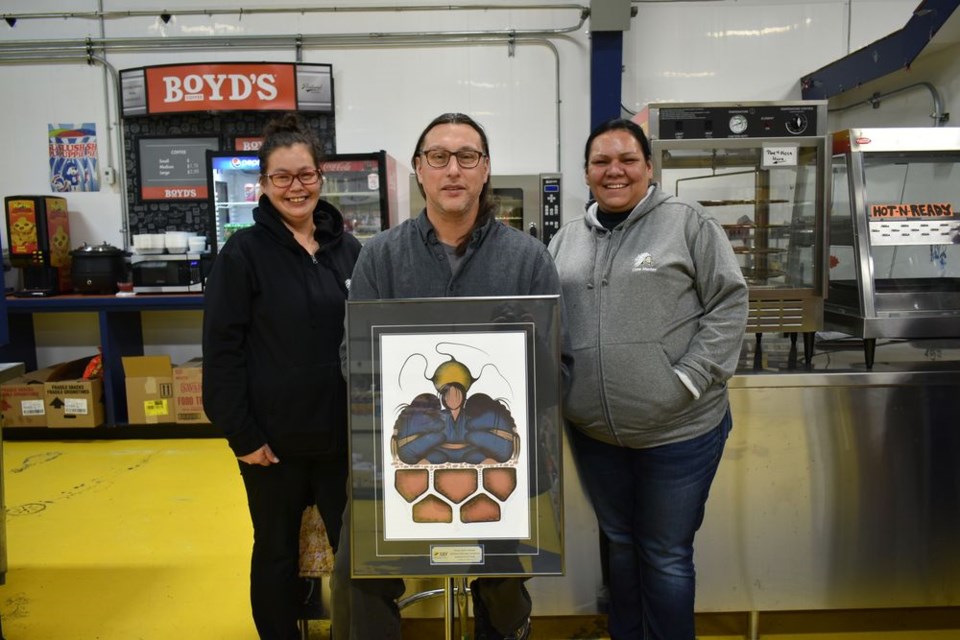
x,y
895,234
761,170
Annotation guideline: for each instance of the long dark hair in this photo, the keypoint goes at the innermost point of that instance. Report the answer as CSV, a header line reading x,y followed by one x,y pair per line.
x,y
618,124
488,204
285,131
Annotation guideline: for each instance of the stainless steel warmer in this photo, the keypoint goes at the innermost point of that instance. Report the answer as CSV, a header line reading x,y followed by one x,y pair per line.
x,y
761,169
895,234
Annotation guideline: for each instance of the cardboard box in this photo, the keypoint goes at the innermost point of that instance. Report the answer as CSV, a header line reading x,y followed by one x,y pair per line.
x,y
23,399
74,402
188,393
149,385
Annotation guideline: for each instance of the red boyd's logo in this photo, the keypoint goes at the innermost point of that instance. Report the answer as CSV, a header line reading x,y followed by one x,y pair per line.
x,y
233,87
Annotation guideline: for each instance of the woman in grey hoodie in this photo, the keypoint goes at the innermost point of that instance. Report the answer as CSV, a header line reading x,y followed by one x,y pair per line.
x,y
657,309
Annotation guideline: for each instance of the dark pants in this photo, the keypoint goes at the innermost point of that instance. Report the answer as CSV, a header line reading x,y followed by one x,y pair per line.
x,y
366,608
650,503
277,496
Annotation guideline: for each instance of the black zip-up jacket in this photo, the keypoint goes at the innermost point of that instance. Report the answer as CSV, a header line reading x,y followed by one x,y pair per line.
x,y
272,326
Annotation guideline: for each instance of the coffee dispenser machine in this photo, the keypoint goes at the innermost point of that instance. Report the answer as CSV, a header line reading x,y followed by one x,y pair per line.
x,y
38,233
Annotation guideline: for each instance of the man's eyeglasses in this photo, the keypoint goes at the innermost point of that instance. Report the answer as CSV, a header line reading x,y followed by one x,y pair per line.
x,y
284,180
439,158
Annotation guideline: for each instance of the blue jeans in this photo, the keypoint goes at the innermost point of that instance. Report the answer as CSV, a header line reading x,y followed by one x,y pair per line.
x,y
650,503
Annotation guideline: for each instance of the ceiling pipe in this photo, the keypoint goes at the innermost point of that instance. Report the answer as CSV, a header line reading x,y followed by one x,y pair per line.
x,y
939,117
118,15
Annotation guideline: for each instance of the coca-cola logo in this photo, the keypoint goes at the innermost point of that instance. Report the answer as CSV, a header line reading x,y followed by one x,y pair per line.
x,y
863,140
219,87
336,166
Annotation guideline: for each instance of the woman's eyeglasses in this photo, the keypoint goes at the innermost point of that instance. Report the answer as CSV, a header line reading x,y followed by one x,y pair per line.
x,y
439,158
284,180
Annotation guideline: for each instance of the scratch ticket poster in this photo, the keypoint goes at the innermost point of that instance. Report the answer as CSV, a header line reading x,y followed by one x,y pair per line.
x,y
73,157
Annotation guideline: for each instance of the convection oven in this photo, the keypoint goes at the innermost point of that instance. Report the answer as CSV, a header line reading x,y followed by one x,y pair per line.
x,y
531,203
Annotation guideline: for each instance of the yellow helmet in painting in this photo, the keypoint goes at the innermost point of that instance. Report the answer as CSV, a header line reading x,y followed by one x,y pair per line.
x,y
452,371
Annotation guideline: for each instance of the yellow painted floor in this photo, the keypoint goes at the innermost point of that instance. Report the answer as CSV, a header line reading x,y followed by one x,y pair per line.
x,y
150,540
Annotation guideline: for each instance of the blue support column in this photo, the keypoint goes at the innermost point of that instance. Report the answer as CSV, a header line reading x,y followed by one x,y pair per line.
x,y
606,64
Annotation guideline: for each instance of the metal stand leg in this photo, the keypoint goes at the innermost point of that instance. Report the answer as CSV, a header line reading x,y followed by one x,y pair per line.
x,y
449,608
809,338
869,349
754,625
462,606
455,594
792,354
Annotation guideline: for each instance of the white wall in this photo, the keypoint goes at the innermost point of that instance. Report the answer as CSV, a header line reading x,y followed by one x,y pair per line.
x,y
682,51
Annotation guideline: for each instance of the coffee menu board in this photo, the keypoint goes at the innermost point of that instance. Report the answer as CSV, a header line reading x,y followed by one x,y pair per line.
x,y
174,168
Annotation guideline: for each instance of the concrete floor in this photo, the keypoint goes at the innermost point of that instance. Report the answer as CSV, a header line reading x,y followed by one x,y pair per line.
x,y
150,540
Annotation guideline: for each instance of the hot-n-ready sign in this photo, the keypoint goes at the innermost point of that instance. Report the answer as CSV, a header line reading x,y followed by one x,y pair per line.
x,y
227,87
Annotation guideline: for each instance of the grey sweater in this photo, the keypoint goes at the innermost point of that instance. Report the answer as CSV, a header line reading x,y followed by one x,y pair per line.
x,y
409,261
656,312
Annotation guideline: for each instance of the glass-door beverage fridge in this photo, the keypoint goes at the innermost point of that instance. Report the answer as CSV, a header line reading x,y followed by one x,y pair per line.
x,y
363,186
234,191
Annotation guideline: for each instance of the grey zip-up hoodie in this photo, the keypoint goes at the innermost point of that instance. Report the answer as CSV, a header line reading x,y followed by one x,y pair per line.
x,y
656,312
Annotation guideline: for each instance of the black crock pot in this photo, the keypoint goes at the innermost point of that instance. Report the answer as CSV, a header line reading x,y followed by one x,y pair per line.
x,y
98,269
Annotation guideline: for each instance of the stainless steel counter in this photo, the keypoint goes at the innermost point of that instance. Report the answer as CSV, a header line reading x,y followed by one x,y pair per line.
x,y
839,488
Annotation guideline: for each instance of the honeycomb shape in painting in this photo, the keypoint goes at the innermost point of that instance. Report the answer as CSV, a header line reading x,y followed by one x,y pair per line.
x,y
412,483
480,508
432,509
455,484
500,481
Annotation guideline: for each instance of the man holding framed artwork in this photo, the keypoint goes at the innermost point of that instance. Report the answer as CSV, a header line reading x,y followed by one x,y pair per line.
x,y
455,248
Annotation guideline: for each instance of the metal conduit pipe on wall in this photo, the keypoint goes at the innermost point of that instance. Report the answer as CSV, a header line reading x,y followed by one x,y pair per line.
x,y
939,117
90,51
114,15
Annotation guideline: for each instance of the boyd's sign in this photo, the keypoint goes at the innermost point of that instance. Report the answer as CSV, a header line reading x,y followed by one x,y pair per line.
x,y
227,87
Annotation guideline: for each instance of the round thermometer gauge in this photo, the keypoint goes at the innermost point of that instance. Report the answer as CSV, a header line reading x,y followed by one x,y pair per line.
x,y
797,123
738,124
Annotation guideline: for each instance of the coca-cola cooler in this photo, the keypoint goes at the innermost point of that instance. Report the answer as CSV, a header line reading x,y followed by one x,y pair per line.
x,y
363,186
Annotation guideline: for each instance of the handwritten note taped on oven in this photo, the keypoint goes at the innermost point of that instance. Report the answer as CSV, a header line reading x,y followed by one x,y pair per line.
x,y
779,157
926,211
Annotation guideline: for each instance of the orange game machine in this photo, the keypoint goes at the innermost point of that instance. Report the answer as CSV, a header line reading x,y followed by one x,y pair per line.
x,y
38,233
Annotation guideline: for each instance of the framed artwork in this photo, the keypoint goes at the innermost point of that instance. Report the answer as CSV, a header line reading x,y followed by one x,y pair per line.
x,y
455,436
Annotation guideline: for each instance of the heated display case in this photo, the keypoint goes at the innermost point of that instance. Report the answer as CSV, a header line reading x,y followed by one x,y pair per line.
x,y
895,234
363,186
761,170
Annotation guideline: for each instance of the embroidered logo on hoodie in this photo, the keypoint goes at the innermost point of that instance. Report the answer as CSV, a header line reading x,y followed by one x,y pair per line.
x,y
644,262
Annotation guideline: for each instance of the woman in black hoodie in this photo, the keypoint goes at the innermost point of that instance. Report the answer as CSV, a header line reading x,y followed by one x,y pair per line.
x,y
272,326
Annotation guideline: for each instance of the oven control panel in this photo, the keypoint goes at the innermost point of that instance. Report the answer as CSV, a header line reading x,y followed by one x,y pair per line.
x,y
551,203
679,122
